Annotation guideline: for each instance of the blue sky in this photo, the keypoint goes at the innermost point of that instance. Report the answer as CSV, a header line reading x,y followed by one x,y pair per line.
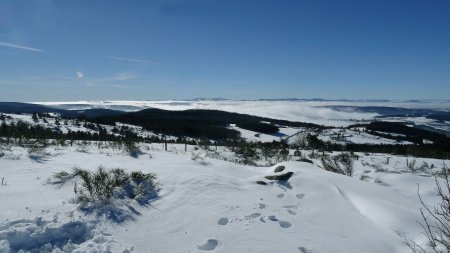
x,y
175,49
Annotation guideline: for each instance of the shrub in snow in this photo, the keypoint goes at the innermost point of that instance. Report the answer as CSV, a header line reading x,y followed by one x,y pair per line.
x,y
62,177
35,146
82,149
36,151
195,156
377,167
411,165
425,167
198,157
108,191
268,152
299,140
346,160
342,163
246,152
436,220
5,144
283,155
364,177
279,168
132,149
380,182
314,155
330,164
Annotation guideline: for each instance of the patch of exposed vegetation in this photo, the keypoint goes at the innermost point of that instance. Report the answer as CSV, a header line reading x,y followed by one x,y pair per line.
x,y
110,192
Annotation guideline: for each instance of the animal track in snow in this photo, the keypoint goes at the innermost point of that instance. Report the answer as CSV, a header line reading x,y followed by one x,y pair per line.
x,y
291,212
262,205
272,218
300,195
281,195
211,244
285,224
304,250
289,209
223,221
252,216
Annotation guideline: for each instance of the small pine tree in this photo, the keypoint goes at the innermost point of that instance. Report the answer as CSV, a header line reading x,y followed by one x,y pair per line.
x,y
35,117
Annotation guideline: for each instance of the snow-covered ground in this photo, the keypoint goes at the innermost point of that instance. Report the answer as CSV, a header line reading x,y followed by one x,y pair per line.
x,y
54,123
65,125
214,205
343,136
208,201
335,135
285,132
436,124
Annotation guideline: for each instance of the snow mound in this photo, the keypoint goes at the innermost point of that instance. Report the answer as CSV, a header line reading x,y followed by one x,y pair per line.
x,y
39,235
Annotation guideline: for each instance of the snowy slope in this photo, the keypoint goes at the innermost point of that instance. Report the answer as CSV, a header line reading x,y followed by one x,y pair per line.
x,y
213,205
348,136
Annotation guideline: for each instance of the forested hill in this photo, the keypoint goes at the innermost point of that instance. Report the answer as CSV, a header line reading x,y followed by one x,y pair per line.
x,y
209,124
17,107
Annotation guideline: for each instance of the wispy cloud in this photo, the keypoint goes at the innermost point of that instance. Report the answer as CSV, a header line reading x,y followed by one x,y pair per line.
x,y
79,74
120,86
115,81
120,80
131,60
123,76
4,44
48,81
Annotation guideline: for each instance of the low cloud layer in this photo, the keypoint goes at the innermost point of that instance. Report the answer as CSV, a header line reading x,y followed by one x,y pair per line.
x,y
319,112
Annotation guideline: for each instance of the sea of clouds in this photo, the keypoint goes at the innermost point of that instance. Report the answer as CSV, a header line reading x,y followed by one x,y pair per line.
x,y
319,112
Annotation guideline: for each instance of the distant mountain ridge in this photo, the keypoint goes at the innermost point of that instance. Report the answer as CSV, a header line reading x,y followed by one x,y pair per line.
x,y
17,107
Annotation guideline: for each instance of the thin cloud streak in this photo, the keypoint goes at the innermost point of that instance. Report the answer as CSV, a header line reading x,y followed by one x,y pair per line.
x,y
20,47
121,86
131,60
123,76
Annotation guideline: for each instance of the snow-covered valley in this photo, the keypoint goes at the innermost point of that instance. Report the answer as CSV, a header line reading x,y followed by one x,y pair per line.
x,y
213,198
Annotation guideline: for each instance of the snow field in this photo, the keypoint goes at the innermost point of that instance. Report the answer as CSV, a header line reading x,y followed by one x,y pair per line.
x,y
214,206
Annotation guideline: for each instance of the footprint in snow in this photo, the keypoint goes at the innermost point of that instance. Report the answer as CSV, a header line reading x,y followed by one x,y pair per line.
x,y
223,221
252,216
285,224
300,195
281,195
291,212
304,250
272,218
211,244
262,205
